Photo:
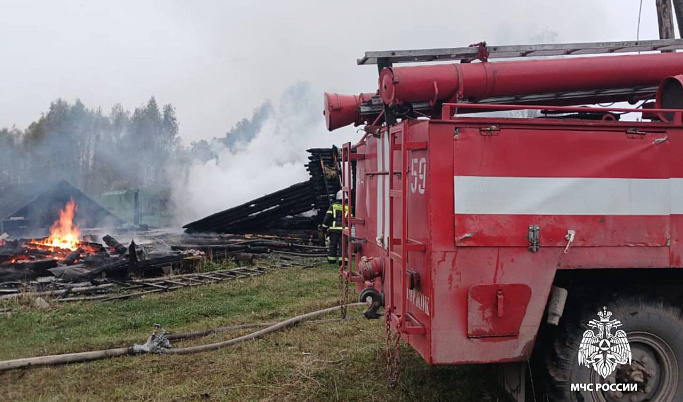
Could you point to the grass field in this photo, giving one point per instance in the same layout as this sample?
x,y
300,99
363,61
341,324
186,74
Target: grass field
x,y
330,361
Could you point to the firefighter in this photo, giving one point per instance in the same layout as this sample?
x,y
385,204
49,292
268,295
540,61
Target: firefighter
x,y
332,224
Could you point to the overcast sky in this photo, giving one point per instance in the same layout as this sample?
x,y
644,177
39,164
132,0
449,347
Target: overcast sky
x,y
216,61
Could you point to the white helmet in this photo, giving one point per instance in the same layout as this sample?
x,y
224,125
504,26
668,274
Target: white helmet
x,y
339,195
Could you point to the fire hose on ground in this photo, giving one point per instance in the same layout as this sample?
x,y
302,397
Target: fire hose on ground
x,y
159,343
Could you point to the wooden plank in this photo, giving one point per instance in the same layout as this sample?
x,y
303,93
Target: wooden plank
x,y
180,283
154,285
209,277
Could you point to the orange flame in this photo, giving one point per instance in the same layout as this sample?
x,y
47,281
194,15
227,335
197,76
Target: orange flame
x,y
63,233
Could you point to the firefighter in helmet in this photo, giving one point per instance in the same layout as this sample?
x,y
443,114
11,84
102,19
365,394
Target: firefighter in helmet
x,y
333,225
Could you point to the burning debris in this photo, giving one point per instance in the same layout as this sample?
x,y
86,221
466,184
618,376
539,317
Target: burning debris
x,y
29,209
66,256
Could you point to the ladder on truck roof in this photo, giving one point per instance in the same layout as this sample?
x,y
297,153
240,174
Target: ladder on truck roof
x,y
480,51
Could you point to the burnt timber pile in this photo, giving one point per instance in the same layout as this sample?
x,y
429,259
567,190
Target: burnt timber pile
x,y
283,209
26,259
94,271
279,225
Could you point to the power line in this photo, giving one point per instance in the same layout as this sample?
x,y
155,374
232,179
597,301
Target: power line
x,y
640,12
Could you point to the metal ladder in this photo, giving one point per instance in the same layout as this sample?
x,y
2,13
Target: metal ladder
x,y
399,247
348,270
480,51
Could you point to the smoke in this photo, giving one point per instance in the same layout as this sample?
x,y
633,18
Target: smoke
x,y
140,150
246,129
258,156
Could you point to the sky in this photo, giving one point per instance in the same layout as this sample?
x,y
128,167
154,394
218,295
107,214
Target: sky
x,y
216,61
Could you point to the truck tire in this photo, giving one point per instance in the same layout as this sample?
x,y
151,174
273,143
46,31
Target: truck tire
x,y
654,330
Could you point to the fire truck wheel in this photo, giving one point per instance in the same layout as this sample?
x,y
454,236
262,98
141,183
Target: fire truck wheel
x,y
654,332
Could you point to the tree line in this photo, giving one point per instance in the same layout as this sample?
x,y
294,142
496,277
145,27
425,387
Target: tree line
x,y
121,150
94,151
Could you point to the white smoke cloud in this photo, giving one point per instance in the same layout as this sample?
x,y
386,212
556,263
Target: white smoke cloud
x,y
273,159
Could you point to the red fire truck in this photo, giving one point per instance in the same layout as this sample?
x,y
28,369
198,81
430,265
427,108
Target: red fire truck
x,y
526,212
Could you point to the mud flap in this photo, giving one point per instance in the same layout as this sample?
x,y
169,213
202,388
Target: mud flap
x,y
512,377
496,309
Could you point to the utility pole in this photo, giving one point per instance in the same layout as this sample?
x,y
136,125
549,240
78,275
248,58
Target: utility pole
x,y
678,10
665,19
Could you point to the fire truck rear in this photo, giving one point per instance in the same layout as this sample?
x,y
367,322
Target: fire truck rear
x,y
499,219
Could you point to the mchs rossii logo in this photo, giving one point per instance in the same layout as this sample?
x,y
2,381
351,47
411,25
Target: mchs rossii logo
x,y
603,352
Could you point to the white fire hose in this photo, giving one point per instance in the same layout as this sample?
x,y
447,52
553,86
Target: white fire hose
x,y
158,343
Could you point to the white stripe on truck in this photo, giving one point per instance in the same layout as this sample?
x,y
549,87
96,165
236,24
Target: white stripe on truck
x,y
567,196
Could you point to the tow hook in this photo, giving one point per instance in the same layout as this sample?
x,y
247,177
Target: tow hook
x,y
374,299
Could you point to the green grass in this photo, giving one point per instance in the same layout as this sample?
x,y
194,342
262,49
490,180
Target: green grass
x,y
315,362
208,265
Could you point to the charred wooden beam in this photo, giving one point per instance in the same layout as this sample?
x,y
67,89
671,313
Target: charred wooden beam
x,y
117,268
269,207
154,267
11,275
39,267
73,256
114,244
133,260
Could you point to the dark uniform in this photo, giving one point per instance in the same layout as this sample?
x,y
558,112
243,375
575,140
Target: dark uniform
x,y
333,224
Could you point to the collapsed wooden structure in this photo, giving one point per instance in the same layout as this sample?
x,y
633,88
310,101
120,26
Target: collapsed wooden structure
x,y
29,209
26,259
300,206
